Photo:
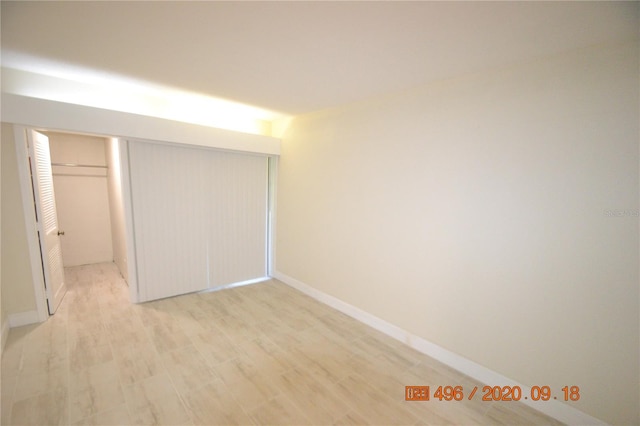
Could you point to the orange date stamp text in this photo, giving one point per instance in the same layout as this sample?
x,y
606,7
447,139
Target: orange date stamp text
x,y
490,393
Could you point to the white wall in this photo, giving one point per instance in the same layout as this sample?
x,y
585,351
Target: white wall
x,y
17,281
476,213
61,116
110,93
114,184
4,318
82,198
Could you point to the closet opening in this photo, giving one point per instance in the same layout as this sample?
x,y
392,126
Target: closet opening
x,y
77,193
88,195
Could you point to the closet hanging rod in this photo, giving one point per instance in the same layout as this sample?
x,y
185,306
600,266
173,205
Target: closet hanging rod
x,y
78,165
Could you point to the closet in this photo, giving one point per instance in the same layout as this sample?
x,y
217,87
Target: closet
x,y
199,217
80,179
188,218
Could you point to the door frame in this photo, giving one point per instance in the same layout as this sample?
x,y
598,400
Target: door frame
x,y
31,225
129,225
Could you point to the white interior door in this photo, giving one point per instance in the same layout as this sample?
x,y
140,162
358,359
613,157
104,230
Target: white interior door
x,y
48,233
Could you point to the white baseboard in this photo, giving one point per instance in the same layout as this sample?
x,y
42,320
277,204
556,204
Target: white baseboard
x,y
23,318
4,333
557,410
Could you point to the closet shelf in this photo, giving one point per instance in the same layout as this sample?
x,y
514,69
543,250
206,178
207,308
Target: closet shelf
x,y
78,165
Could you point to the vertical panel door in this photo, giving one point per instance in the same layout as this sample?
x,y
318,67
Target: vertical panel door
x,y
169,216
48,232
199,218
238,192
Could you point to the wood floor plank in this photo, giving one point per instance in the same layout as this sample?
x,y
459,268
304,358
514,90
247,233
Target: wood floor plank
x,y
259,354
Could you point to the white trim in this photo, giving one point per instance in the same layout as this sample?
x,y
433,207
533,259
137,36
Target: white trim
x,y
127,205
23,318
557,410
60,116
4,333
272,214
26,190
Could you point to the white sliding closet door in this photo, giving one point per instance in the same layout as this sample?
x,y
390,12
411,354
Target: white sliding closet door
x,y
199,218
238,235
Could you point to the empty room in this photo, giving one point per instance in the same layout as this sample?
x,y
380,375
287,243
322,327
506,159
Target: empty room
x,y
320,213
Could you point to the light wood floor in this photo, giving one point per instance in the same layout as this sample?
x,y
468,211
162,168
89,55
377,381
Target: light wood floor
x,y
260,354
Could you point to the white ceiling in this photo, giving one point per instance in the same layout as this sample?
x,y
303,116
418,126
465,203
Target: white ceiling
x,y
297,57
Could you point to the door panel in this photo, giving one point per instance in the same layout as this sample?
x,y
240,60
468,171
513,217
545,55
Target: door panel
x,y
238,229
47,219
199,218
169,210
